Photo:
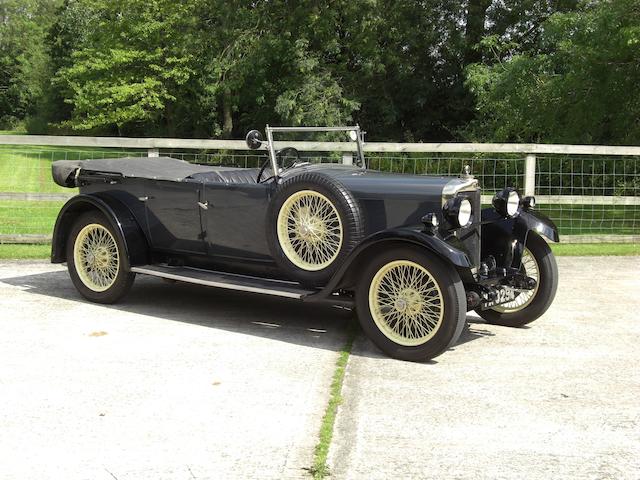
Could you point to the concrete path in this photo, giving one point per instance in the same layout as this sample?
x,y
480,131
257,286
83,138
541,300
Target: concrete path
x,y
183,382
177,382
557,400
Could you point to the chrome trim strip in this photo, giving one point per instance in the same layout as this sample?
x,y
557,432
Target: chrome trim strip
x,y
217,284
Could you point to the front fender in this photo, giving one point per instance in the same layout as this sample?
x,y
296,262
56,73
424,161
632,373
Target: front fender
x,y
539,223
353,264
120,217
505,238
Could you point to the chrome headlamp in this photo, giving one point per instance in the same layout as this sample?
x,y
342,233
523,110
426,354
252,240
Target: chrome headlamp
x,y
458,211
507,202
431,223
529,203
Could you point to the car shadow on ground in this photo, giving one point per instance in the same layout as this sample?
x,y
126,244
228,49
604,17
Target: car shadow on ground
x,y
279,319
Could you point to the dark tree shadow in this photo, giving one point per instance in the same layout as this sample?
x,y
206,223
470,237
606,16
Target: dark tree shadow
x,y
276,318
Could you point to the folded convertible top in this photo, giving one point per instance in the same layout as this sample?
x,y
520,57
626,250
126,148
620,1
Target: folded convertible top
x,y
156,168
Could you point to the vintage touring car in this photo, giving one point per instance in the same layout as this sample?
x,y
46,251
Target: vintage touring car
x,y
411,254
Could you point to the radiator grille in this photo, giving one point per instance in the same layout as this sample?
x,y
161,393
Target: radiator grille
x,y
469,237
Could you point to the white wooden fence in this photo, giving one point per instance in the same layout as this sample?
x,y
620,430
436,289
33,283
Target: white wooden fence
x,y
528,154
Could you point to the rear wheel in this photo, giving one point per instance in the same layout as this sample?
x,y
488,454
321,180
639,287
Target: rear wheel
x,y
411,305
538,263
96,261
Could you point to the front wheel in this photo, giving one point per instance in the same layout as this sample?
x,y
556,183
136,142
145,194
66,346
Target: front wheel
x,y
538,263
410,304
96,261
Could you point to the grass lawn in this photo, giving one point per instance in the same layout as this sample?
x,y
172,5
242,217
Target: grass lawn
x,y
23,252
595,249
28,217
594,219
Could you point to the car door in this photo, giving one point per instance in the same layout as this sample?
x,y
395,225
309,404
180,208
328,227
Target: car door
x,y
235,220
173,216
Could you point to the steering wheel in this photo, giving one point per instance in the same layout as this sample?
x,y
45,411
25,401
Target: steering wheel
x,y
263,167
288,153
282,155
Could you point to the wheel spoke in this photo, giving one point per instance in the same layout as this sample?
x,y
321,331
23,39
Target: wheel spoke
x,y
96,257
309,230
529,267
406,302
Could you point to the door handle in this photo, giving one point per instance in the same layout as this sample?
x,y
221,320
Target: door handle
x,y
204,206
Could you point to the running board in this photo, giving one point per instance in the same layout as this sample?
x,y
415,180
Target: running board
x,y
230,281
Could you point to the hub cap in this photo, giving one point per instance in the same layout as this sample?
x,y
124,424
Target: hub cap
x,y
95,255
309,230
524,298
406,303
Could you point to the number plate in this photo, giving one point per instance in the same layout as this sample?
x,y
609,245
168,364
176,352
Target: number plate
x,y
505,295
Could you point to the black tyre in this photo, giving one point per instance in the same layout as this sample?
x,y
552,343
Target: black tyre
x,y
96,260
411,304
537,262
313,224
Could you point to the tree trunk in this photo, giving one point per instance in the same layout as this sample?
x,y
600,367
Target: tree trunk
x,y
227,118
476,15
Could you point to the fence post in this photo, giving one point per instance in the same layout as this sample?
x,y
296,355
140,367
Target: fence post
x,y
347,159
530,175
153,152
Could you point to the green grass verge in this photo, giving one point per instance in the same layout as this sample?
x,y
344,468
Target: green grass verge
x,y
24,252
320,469
594,249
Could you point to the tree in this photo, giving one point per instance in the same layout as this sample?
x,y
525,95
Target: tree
x,y
130,68
579,85
23,58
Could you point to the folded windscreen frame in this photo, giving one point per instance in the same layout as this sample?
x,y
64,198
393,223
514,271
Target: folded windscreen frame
x,y
350,138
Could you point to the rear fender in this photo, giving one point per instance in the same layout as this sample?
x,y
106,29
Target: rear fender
x,y
347,274
120,217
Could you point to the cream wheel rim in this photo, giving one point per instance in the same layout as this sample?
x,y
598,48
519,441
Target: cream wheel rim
x,y
525,297
406,303
96,257
309,230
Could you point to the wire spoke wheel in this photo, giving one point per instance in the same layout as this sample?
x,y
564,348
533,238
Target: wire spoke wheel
x,y
309,230
406,303
530,268
96,257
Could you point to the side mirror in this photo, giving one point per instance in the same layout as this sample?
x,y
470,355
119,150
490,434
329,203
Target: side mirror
x,y
254,139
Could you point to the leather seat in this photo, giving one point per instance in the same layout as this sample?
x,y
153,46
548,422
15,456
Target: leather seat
x,y
241,175
228,175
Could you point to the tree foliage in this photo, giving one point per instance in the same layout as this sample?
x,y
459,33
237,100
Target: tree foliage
x,y
407,70
578,85
23,56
